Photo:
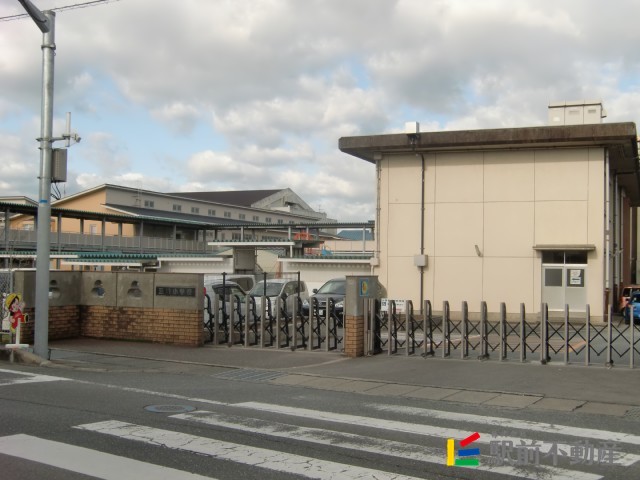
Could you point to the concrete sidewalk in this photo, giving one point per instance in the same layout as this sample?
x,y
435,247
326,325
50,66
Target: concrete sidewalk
x,y
594,389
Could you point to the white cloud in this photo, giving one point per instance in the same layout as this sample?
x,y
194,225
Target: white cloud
x,y
213,94
182,118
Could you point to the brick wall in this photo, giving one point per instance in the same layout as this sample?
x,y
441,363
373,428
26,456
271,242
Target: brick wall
x,y
64,322
26,329
354,336
178,327
75,310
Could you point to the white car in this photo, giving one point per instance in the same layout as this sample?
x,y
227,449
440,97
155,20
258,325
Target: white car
x,y
228,295
245,281
275,288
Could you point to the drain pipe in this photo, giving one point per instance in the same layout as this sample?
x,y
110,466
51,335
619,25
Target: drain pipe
x,y
377,222
607,231
422,208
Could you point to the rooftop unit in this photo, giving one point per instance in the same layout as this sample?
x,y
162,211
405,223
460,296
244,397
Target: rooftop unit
x,y
579,112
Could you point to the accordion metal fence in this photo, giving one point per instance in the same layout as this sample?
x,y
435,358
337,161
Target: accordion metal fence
x,y
278,325
566,338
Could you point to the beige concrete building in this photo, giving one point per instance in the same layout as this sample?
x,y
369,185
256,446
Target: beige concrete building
x,y
520,215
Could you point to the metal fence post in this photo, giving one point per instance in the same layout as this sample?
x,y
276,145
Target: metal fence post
x,y
216,318
367,319
566,334
632,340
232,321
465,339
391,323
587,356
543,334
426,316
327,316
294,320
610,315
278,320
263,323
523,343
311,330
408,308
503,331
247,313
445,329
484,337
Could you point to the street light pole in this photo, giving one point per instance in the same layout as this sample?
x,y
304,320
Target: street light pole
x,y
46,23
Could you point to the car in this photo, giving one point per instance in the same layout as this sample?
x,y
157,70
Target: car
x,y
336,289
633,305
229,294
624,296
244,280
275,288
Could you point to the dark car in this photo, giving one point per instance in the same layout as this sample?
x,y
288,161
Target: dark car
x,y
633,305
335,289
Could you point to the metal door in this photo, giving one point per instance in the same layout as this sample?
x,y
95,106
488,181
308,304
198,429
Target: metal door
x,y
564,285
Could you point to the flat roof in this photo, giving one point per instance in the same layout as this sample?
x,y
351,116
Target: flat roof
x,y
619,138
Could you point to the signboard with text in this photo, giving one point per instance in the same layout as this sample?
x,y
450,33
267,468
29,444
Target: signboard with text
x,y
401,305
176,291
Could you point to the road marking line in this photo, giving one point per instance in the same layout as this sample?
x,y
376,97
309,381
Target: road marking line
x,y
625,459
152,392
29,378
373,445
88,462
509,423
253,456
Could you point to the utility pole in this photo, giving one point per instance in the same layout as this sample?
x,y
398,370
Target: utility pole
x,y
45,21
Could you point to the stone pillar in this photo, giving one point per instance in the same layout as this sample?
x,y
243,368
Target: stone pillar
x,y
359,289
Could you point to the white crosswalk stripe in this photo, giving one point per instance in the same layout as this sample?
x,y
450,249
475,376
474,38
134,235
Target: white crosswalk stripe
x,y
254,456
505,423
369,444
354,439
445,432
86,461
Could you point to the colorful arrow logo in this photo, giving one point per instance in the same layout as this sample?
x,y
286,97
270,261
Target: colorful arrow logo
x,y
463,455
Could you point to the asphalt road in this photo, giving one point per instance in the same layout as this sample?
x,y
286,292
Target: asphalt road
x,y
151,419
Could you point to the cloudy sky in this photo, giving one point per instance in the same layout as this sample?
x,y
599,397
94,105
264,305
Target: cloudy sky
x,y
197,95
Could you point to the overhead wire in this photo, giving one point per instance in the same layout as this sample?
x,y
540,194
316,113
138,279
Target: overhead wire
x,y
91,3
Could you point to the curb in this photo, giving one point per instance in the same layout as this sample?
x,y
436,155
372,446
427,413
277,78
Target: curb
x,y
23,357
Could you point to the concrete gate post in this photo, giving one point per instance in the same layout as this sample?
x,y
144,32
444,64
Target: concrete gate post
x,y
359,290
